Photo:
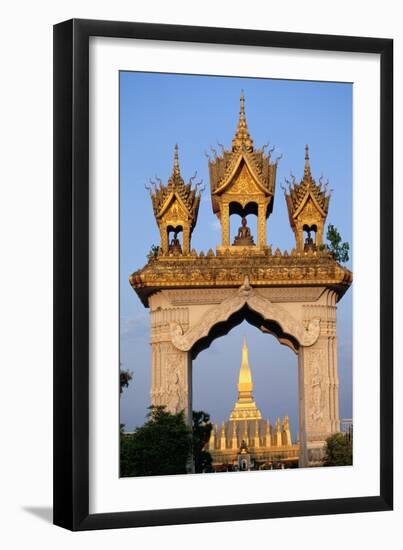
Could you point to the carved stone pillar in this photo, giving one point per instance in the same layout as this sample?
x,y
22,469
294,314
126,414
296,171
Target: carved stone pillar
x,y
261,225
225,227
171,373
171,380
318,398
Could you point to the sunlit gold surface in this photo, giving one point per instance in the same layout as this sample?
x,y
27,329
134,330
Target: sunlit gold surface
x,y
175,206
307,204
228,268
246,429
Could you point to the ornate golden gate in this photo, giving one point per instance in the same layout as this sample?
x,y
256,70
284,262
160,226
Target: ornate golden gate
x,y
196,297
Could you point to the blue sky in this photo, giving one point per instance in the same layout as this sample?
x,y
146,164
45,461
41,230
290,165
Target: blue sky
x,y
159,110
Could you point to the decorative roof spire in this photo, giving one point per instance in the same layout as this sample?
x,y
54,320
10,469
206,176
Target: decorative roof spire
x,y
176,169
242,136
242,108
307,169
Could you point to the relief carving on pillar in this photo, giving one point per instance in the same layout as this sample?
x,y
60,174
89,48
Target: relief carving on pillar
x,y
315,387
175,393
316,410
245,295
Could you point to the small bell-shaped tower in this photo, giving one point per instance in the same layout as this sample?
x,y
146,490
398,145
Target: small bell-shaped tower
x,y
308,204
175,206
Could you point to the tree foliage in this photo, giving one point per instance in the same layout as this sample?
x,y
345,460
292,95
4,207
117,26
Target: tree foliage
x,y
339,450
339,250
201,434
125,377
153,252
162,446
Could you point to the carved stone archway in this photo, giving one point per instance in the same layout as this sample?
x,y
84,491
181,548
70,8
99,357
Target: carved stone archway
x,y
290,329
304,319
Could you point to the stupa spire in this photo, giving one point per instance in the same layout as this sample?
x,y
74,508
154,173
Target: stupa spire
x,y
245,384
245,407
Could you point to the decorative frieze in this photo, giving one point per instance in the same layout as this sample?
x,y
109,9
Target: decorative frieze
x,y
246,295
229,272
200,296
161,317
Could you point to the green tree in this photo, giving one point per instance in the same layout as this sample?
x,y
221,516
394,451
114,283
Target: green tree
x,y
201,434
339,450
339,250
125,377
162,446
153,252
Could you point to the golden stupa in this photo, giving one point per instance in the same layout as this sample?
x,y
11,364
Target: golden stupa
x,y
247,431
245,408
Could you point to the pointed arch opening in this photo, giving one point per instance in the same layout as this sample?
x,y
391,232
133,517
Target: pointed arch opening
x,y
254,415
175,239
310,235
252,317
243,223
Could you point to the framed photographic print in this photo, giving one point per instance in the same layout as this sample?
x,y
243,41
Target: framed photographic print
x,y
223,297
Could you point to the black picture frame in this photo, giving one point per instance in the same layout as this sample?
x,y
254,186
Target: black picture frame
x,y
71,273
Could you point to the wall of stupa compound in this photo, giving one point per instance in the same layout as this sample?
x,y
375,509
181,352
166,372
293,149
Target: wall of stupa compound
x,y
183,321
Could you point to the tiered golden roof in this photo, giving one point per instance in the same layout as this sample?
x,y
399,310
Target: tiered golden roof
x,y
188,195
308,204
223,167
176,206
242,179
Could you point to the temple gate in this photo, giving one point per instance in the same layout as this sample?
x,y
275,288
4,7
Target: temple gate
x,y
196,297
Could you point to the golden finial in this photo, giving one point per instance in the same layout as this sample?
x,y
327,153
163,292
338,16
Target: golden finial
x,y
307,169
242,136
176,170
242,106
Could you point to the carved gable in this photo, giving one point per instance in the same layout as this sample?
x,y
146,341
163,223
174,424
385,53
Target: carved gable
x,y
243,183
309,213
175,213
